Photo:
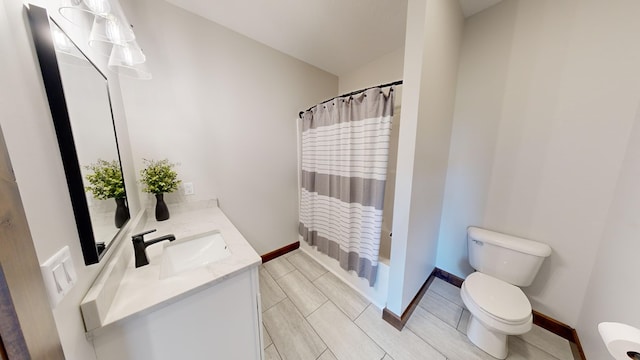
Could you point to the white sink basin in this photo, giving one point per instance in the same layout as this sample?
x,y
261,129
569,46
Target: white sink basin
x,y
192,252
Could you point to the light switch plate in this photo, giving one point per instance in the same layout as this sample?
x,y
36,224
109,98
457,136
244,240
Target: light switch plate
x,y
59,275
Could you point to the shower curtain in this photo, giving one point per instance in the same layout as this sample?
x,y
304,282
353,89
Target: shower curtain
x,y
344,152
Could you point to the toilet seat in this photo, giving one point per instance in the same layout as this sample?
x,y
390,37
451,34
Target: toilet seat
x,y
497,304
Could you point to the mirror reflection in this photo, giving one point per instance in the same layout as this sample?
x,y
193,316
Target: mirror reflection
x,y
89,107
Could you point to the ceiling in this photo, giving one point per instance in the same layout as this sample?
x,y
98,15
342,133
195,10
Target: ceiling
x,y
334,35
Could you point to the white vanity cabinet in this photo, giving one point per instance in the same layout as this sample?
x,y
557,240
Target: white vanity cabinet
x,y
218,321
210,310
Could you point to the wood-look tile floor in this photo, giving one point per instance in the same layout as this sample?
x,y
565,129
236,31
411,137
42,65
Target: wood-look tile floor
x,y
309,313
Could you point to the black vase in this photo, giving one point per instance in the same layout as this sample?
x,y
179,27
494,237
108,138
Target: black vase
x,y
122,212
162,211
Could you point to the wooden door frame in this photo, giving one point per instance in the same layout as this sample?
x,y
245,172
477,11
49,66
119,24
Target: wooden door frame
x,y
3,352
12,339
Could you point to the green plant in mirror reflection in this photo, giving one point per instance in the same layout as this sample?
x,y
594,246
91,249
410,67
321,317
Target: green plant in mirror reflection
x,y
159,177
106,180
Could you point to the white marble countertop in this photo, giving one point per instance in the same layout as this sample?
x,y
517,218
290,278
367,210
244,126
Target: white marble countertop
x,y
141,290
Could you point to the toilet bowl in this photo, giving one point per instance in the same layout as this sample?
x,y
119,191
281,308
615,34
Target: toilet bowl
x,y
492,295
498,309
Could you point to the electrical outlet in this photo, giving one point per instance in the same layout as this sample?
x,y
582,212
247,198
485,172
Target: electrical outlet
x,y
187,188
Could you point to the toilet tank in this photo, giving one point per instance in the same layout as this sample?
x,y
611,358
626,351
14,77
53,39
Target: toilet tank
x,y
509,258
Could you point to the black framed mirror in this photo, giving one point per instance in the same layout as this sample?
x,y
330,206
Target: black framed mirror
x,y
80,105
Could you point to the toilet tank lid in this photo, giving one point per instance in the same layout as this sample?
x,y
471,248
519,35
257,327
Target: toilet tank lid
x,y
510,242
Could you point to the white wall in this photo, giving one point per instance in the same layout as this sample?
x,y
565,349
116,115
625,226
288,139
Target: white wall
x,y
613,294
483,56
31,141
434,32
545,103
385,69
224,106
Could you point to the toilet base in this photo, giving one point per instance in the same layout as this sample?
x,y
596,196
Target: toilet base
x,y
494,344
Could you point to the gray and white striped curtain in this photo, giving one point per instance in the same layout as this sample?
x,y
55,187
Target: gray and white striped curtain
x,y
344,149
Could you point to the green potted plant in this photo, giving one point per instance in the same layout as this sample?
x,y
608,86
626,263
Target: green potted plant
x,y
105,182
158,177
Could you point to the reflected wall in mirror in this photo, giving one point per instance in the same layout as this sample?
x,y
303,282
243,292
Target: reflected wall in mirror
x,y
80,105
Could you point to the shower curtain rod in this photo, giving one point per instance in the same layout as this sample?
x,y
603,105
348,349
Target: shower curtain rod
x,y
399,82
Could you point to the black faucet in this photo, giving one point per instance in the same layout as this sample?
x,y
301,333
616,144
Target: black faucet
x,y
140,246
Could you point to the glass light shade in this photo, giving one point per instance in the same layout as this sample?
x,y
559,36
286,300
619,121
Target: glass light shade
x,y
110,29
118,31
129,60
75,11
128,54
98,7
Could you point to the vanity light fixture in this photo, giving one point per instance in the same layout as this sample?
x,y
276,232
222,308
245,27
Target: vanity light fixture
x,y
118,31
106,25
74,11
110,29
98,7
110,34
80,12
128,54
129,60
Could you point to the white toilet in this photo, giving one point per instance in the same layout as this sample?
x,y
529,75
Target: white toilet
x,y
498,307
